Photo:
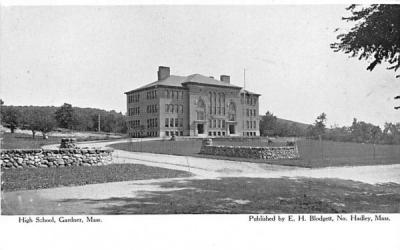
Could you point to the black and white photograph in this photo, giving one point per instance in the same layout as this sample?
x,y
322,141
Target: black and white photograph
x,y
185,110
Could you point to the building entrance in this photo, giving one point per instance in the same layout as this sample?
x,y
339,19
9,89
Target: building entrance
x,y
200,129
231,129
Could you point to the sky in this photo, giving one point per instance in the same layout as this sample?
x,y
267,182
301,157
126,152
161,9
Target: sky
x,y
89,56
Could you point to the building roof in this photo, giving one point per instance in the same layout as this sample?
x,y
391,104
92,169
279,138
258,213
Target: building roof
x,y
180,81
248,92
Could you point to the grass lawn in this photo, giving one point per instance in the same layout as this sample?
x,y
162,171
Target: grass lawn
x,y
313,153
256,195
21,179
24,141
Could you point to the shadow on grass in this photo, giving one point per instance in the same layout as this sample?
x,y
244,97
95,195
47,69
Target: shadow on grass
x,y
256,195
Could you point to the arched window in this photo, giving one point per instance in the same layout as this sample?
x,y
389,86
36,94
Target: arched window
x,y
211,102
200,110
200,103
223,103
219,103
215,103
232,111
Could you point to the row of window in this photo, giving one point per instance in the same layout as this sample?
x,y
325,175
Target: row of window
x,y
133,111
216,123
251,124
217,103
135,134
152,133
216,133
249,133
173,122
176,133
152,108
133,98
138,134
250,100
174,94
152,94
134,124
171,108
251,112
152,123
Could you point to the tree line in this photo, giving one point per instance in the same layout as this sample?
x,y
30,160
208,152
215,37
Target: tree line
x,y
358,131
45,119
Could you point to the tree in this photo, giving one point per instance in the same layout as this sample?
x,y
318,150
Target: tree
x,y
375,35
268,124
40,120
320,124
65,116
10,118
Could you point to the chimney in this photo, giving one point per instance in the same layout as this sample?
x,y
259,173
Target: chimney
x,y
163,72
225,78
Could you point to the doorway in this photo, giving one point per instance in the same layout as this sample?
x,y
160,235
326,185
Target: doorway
x,y
200,129
231,129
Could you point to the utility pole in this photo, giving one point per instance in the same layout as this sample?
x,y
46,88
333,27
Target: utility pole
x,y
244,78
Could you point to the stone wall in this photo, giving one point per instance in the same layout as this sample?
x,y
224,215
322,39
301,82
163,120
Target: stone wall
x,y
288,152
56,158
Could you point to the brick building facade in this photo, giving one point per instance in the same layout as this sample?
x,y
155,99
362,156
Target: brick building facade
x,y
194,105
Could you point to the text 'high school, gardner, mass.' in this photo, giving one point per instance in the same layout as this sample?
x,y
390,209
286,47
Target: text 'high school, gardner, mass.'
x,y
193,105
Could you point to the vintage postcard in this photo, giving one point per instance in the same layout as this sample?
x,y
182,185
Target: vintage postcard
x,y
271,119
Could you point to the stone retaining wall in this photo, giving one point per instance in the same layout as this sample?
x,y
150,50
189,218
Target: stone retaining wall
x,y
56,158
289,152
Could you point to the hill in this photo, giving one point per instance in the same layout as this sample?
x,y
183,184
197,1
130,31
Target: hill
x,y
291,123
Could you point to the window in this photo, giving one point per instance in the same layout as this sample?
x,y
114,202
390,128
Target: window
x,y
215,133
248,125
177,108
166,122
166,108
168,94
167,133
172,94
200,115
223,133
215,103
254,124
171,108
211,104
181,122
247,112
219,133
171,122
181,133
219,123
223,123
176,122
176,133
209,133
